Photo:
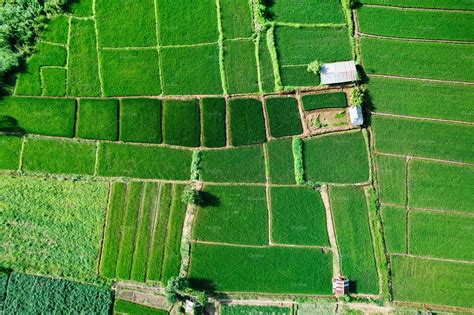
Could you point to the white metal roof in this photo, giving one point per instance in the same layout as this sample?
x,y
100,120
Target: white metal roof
x,y
355,114
338,72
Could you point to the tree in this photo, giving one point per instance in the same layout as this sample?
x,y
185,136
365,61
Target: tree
x,y
191,196
314,67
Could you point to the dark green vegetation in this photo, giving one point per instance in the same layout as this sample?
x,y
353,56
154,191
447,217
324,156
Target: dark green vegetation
x,y
236,19
418,59
213,112
97,119
267,78
298,216
394,227
27,294
326,100
303,11
140,120
227,220
420,280
435,4
181,123
126,307
143,232
441,235
395,22
64,217
59,156
280,162
130,72
424,138
54,81
136,161
246,121
283,117
56,30
10,152
293,76
354,238
326,158
453,192
240,165
250,309
422,99
50,117
240,269
391,175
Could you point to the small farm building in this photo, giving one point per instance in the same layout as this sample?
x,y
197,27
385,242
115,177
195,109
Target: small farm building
x,y
355,114
340,286
190,306
338,72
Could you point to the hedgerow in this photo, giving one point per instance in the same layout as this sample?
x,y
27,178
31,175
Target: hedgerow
x,y
297,146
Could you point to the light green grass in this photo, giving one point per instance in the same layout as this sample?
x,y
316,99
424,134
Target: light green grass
x,y
280,162
391,179
283,116
325,100
240,66
140,120
10,148
236,18
247,125
97,119
225,218
53,81
213,112
307,11
298,216
394,228
181,123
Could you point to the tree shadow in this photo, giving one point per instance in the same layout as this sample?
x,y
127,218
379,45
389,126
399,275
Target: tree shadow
x,y
268,14
8,79
202,284
208,200
352,286
10,125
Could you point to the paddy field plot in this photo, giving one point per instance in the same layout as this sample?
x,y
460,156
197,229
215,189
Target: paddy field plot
x,y
126,307
56,30
97,119
283,116
240,66
325,100
391,177
236,19
213,113
140,120
181,123
429,4
246,121
394,220
10,153
303,12
53,81
280,162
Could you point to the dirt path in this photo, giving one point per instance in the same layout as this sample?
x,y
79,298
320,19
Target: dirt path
x,y
331,233
428,40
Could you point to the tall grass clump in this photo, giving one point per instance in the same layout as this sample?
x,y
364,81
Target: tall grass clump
x,y
297,146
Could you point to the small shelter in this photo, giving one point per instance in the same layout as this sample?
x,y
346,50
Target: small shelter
x,y
356,116
338,72
340,286
190,306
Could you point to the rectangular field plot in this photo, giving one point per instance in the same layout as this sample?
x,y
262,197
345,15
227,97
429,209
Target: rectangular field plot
x,y
394,22
240,66
213,112
59,156
391,175
247,125
424,138
181,123
432,282
124,23
326,100
53,81
50,117
241,269
138,161
441,186
56,30
197,22
250,309
432,4
130,72
10,152
394,221
280,162
296,76
97,119
236,18
242,165
326,160
298,216
307,11
82,8
29,80
64,217
283,117
224,218
83,77
126,307
191,70
417,59
422,99
353,238
140,120
441,235
267,78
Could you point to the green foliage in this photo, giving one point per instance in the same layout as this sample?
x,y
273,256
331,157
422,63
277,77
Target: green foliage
x,y
28,294
247,125
314,67
126,307
283,116
298,216
280,162
191,196
240,66
10,152
56,30
224,217
196,165
181,123
64,217
297,146
249,269
357,96
213,122
236,19
97,119
140,120
270,36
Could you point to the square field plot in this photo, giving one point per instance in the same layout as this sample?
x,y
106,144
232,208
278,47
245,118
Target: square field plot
x,y
56,30
213,112
10,153
283,116
191,70
130,72
187,22
240,66
246,121
325,100
181,123
245,269
307,11
280,162
298,216
140,120
54,81
124,23
224,218
97,119
339,158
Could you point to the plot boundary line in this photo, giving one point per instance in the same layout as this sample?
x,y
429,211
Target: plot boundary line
x,y
151,235
331,232
211,243
419,40
97,48
449,121
158,50
21,155
406,207
268,199
466,262
415,8
421,158
390,76
104,227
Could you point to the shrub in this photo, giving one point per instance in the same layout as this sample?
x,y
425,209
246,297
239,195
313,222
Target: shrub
x,y
314,67
357,96
196,165
298,158
191,196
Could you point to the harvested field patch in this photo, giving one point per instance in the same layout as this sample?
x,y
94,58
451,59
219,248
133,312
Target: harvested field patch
x,y
10,152
283,117
236,19
432,4
140,120
240,66
225,219
326,100
97,119
391,173
213,122
53,81
181,123
394,228
298,216
307,11
280,162
246,121
240,269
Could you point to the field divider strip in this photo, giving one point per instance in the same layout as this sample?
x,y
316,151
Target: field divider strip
x,y
265,119
96,162
407,202
158,49
97,47
390,76
419,40
311,25
22,153
336,260
467,262
268,198
52,43
68,53
138,224
416,9
156,216
257,59
258,246
104,227
420,158
129,48
424,118
443,211
189,45
220,45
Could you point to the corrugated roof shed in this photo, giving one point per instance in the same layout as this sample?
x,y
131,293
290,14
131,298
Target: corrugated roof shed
x,y
338,72
356,116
